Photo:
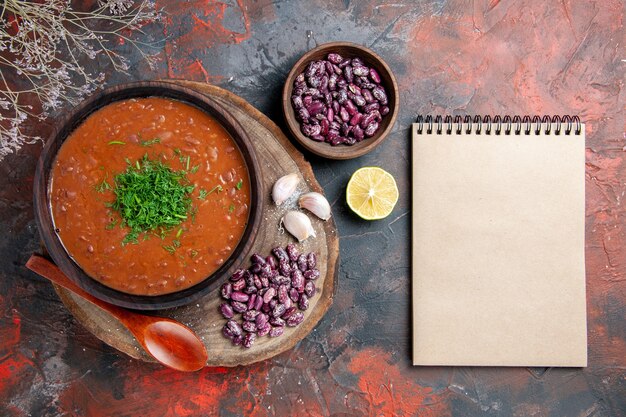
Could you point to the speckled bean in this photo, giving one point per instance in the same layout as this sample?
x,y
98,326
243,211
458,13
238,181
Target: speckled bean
x,y
263,330
248,340
295,319
226,310
277,331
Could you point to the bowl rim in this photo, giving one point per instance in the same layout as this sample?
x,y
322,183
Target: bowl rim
x,y
322,148
42,208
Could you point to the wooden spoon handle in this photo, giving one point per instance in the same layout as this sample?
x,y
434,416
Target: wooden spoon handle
x,y
42,266
175,346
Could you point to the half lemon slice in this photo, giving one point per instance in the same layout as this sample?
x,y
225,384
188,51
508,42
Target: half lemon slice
x,y
372,193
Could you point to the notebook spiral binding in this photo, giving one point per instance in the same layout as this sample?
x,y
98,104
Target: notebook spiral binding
x,y
498,124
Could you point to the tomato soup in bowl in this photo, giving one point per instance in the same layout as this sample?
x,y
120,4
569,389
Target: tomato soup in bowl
x,y
148,196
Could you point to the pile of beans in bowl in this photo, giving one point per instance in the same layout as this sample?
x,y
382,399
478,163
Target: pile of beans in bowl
x,y
339,101
269,295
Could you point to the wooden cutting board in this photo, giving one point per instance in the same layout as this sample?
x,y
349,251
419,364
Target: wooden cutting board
x,y
277,157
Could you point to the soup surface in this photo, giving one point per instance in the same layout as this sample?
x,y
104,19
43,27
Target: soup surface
x,y
119,137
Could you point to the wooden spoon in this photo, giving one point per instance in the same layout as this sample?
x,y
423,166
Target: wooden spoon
x,y
170,342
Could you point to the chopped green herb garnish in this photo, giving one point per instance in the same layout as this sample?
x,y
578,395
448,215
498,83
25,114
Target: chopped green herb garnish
x,y
231,208
116,142
195,169
204,193
160,233
187,166
111,225
182,158
193,253
151,197
239,184
104,185
180,231
131,237
172,248
150,142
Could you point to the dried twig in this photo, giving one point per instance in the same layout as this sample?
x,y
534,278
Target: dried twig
x,y
43,48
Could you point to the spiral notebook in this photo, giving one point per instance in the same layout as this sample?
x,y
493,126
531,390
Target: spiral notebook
x,y
498,274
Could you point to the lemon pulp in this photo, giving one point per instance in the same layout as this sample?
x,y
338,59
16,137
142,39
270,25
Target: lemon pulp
x,y
372,193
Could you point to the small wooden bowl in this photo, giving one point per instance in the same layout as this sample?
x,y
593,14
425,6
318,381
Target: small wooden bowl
x,y
388,81
43,215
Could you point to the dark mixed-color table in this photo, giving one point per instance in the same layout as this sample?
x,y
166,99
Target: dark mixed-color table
x,y
450,57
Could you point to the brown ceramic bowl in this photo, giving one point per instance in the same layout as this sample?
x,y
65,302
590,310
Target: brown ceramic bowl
x,y
388,81
43,215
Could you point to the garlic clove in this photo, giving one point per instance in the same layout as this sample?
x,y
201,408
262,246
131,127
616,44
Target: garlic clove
x,y
316,204
284,188
298,224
